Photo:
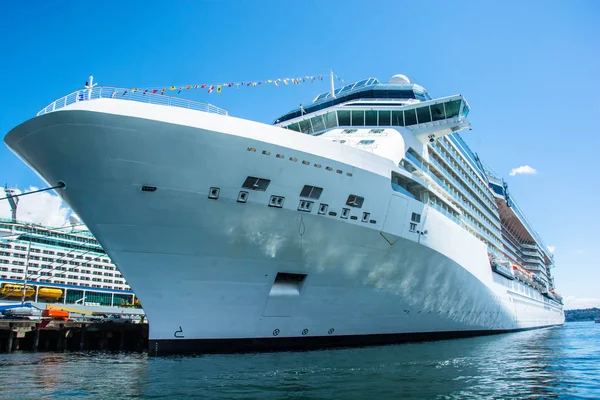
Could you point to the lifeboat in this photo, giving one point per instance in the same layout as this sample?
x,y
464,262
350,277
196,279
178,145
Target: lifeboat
x,y
55,314
558,296
522,274
16,290
50,293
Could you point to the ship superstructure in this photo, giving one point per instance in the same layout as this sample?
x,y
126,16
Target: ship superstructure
x,y
361,218
58,265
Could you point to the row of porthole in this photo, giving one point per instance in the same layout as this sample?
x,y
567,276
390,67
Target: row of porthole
x,y
303,205
294,159
276,332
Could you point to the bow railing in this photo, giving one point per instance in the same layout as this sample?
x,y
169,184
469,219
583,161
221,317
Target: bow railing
x,y
143,96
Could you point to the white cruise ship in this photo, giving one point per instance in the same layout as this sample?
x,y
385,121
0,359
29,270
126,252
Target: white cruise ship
x,y
64,266
362,218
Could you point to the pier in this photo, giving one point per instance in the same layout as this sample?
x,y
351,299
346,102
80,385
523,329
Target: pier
x,y
44,335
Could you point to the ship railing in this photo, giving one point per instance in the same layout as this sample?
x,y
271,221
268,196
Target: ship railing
x,y
142,96
424,169
446,213
467,182
465,193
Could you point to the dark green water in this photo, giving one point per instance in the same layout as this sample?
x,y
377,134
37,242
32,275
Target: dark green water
x,y
550,363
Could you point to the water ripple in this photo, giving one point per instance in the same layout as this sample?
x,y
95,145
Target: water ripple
x,y
561,363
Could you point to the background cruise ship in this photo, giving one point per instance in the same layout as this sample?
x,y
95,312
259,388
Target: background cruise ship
x,y
62,265
362,218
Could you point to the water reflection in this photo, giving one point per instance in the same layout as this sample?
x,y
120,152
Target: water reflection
x,y
549,363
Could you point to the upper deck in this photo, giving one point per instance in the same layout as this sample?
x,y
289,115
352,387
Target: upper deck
x,y
369,88
142,96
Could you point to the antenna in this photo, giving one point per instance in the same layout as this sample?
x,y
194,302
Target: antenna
x,y
89,85
12,200
332,83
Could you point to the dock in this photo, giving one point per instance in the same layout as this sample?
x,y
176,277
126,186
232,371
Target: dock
x,y
54,335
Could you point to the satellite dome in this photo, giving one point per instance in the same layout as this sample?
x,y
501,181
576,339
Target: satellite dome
x,y
399,79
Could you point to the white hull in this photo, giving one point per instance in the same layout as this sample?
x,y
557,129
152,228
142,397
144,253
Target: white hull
x,y
204,269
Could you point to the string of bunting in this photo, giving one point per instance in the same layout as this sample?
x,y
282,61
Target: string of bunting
x,y
218,87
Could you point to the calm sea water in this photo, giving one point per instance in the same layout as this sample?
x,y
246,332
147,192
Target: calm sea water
x,y
550,363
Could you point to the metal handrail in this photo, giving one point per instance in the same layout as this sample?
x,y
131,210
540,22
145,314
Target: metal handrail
x,y
143,96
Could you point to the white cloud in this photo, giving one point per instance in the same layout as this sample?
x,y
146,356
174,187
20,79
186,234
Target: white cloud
x,y
574,303
523,170
552,249
44,208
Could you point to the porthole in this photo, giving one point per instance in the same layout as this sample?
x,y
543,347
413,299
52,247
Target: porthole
x,y
339,171
294,159
252,149
213,193
305,162
266,153
242,197
348,173
329,168
148,188
317,165
323,209
280,156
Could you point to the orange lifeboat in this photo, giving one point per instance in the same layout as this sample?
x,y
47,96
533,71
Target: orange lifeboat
x,y
56,314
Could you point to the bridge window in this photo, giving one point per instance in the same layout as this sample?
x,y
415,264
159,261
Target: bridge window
x,y
384,118
330,120
452,108
343,118
358,118
397,118
317,123
294,127
423,114
305,126
437,112
410,117
371,118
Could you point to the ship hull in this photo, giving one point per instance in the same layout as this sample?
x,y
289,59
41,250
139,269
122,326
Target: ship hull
x,y
206,270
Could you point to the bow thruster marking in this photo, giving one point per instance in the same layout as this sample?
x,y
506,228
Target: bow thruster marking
x,y
177,333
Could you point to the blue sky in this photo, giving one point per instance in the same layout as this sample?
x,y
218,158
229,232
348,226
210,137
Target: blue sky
x,y
528,69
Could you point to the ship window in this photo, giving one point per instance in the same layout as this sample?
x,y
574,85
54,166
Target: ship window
x,y
366,142
413,227
317,123
371,118
397,118
349,131
410,117
355,201
452,108
148,188
305,126
330,120
384,118
343,118
294,127
376,130
437,112
312,192
254,183
358,118
423,114
415,217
